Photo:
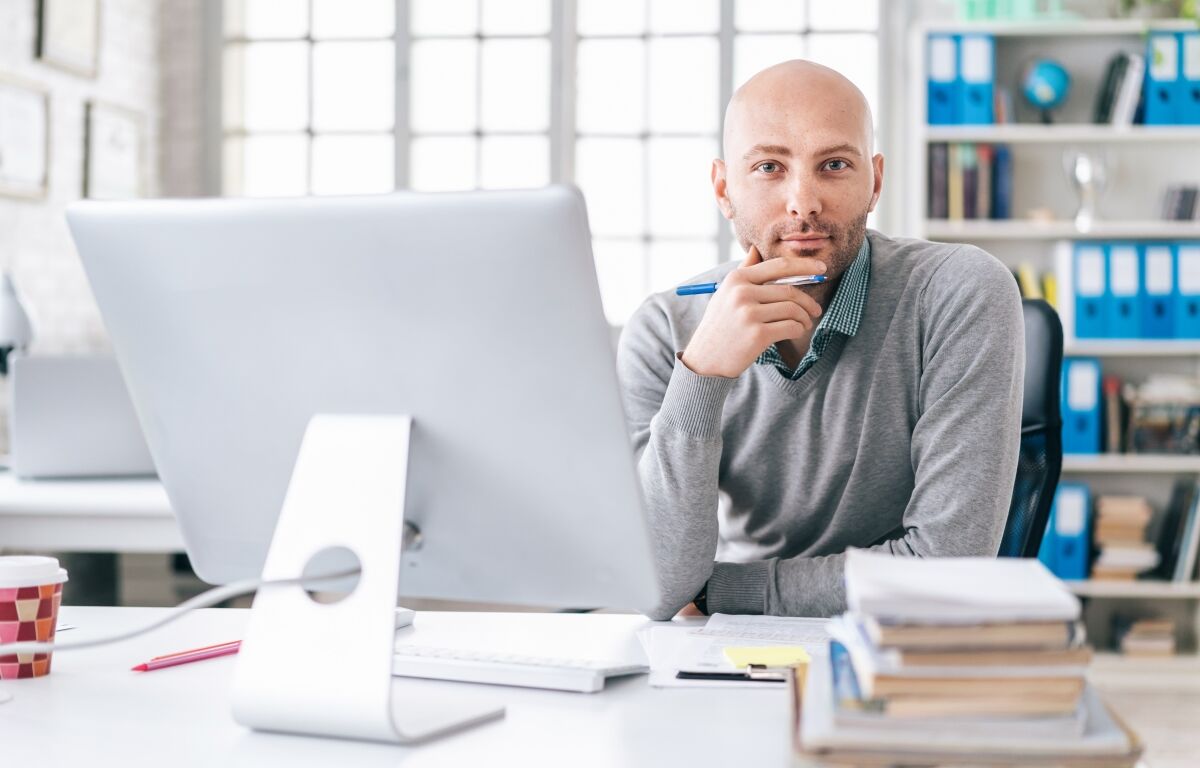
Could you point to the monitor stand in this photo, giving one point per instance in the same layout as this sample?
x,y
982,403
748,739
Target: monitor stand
x,y
325,669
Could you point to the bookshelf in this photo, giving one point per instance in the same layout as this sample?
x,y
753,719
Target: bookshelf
x,y
1054,231
1141,162
1152,590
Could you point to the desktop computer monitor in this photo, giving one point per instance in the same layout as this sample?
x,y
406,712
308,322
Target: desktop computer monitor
x,y
477,314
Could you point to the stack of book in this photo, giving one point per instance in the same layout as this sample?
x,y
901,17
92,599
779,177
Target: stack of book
x,y
970,181
957,660
1120,535
1147,637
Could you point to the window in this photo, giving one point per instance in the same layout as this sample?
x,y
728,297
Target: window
x,y
312,105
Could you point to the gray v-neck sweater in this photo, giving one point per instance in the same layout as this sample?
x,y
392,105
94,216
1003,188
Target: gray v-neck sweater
x,y
902,438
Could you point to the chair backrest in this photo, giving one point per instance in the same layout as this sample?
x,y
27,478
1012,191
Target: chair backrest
x,y
1040,459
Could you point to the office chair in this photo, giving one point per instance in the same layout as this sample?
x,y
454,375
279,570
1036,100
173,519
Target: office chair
x,y
1040,459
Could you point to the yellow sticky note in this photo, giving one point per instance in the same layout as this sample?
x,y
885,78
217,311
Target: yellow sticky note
x,y
767,655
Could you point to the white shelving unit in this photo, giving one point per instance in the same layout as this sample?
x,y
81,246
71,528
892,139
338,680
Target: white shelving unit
x,y
1130,463
1140,158
1150,590
1033,229
1074,133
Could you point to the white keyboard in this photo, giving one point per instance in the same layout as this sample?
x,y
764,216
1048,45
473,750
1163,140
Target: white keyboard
x,y
507,669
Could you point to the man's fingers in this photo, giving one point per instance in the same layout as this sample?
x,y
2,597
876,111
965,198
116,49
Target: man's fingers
x,y
783,310
752,257
783,329
769,294
784,266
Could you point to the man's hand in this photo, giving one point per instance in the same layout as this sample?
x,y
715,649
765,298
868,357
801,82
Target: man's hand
x,y
746,316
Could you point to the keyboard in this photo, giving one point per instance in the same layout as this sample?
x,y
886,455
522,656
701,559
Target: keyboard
x,y
560,674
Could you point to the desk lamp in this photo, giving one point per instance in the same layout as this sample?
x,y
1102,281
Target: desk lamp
x,y
15,330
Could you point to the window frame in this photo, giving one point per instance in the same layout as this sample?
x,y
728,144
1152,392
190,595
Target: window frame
x,y
562,133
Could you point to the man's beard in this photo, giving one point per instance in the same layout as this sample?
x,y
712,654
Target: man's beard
x,y
846,239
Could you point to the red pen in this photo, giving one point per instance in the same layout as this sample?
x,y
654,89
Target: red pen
x,y
186,657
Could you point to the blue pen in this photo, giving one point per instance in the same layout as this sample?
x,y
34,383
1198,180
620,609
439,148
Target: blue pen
x,y
699,288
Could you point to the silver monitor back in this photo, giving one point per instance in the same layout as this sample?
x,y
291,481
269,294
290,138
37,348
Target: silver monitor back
x,y
478,314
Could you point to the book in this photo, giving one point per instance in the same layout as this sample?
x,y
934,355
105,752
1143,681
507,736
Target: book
x,y
939,159
1050,288
969,159
1189,543
1027,280
954,183
983,185
962,591
963,688
1002,182
1106,97
1129,91
1172,528
1079,656
1015,635
983,699
1113,413
857,738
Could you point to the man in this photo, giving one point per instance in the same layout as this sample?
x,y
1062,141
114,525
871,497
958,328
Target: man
x,y
776,426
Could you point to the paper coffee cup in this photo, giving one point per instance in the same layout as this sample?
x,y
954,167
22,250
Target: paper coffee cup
x,y
30,592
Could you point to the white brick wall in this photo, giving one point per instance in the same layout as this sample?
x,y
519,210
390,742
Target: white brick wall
x,y
150,57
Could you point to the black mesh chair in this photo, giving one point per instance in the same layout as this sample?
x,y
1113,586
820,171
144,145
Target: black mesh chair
x,y
1041,433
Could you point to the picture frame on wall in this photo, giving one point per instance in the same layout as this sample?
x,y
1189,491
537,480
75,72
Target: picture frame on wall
x,y
114,139
24,139
68,35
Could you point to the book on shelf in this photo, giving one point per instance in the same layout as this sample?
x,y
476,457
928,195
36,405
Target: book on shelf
x,y
1171,528
1179,203
1120,91
1144,637
1189,543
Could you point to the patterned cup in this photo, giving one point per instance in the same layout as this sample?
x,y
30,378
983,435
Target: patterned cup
x,y
30,591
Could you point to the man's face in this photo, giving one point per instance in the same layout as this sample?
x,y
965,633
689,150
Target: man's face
x,y
797,177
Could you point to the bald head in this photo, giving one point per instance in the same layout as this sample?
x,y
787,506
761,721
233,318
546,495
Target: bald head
x,y
801,95
799,174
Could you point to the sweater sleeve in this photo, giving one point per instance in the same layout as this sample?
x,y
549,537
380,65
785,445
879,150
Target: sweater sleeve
x,y
964,444
674,416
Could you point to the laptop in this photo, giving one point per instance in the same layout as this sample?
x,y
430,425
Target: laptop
x,y
72,417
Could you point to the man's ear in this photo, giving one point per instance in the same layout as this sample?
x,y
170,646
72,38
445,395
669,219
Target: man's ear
x,y
718,182
877,163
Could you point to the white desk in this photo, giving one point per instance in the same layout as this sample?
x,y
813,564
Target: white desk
x,y
92,711
117,515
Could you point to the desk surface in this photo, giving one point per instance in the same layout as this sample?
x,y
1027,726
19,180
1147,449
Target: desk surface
x,y
92,711
87,515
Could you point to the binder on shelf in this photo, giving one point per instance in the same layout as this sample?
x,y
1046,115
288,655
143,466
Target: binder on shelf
x,y
1123,314
1187,287
1090,278
943,84
976,73
1189,77
1081,405
1158,291
1162,79
1066,544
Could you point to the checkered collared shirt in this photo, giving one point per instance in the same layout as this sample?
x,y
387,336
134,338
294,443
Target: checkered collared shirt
x,y
842,316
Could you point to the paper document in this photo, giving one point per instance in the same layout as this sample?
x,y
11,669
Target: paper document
x,y
686,646
778,629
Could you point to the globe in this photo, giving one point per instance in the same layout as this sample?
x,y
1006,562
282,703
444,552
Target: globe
x,y
1045,84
